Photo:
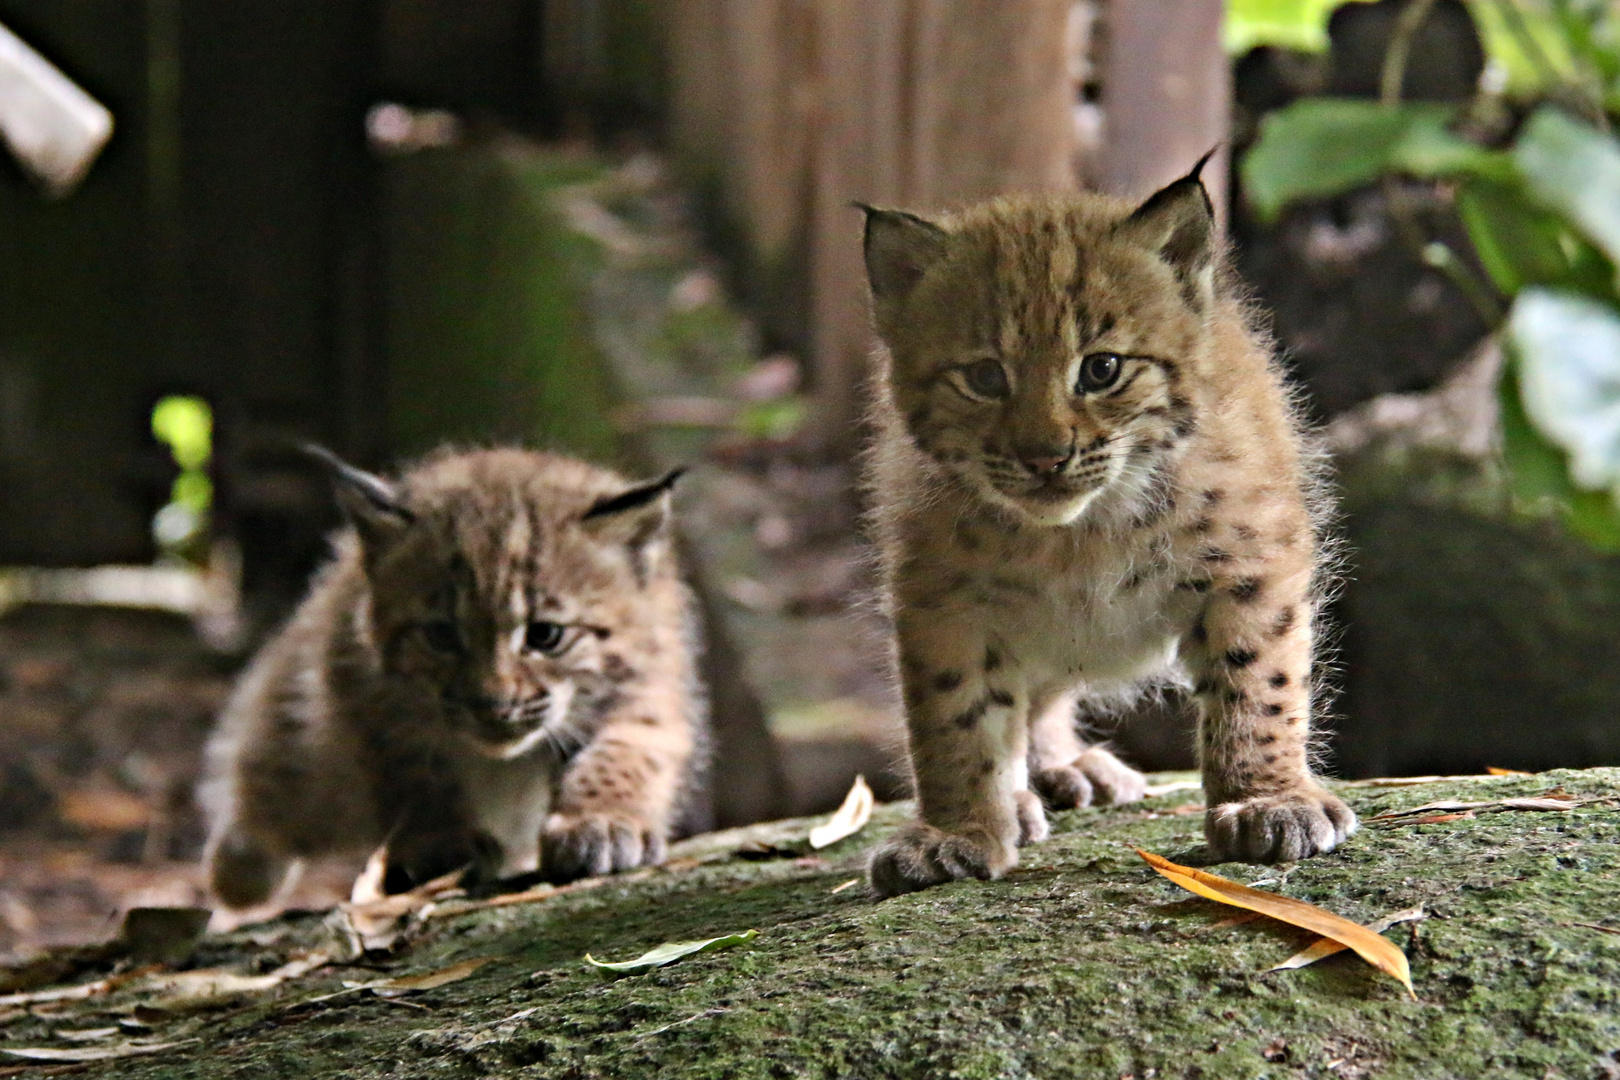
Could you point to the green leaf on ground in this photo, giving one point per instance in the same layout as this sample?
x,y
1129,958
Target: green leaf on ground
x,y
669,952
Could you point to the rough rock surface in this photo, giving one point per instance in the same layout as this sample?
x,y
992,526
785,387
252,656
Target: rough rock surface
x,y
1083,962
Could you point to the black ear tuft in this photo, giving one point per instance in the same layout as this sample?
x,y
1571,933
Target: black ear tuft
x,y
634,519
635,497
899,247
1178,222
370,502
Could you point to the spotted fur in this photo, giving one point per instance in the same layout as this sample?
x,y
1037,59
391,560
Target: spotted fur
x,y
496,668
1088,469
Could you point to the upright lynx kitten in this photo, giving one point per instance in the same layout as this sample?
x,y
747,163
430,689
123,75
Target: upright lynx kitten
x,y
495,669
1087,475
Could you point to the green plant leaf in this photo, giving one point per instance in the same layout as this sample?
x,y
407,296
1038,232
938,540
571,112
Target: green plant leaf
x,y
669,952
1525,68
1288,24
1319,147
1561,415
1516,240
1574,170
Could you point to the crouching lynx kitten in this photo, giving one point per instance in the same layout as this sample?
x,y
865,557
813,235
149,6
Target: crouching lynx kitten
x,y
497,668
1087,475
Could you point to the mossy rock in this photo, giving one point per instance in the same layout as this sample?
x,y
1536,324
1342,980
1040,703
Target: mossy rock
x,y
1081,963
1473,635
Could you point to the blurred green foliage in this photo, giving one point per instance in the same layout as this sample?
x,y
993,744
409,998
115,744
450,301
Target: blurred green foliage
x,y
1288,24
1542,211
186,426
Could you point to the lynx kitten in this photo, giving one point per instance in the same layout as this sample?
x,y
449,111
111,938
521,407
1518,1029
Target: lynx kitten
x,y
495,669
1087,476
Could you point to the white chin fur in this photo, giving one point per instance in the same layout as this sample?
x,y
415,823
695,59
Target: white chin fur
x,y
561,696
1051,514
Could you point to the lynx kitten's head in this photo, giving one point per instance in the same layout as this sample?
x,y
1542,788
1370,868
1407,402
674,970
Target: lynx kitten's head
x,y
1038,346
509,587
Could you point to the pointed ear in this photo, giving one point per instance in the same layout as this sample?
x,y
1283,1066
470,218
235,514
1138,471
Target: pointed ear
x,y
372,504
900,247
1178,222
633,518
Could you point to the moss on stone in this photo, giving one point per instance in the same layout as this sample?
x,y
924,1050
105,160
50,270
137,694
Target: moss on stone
x,y
1082,962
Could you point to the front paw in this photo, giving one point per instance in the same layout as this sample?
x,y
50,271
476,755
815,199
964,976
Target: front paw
x,y
920,855
1032,826
589,845
1096,776
1278,828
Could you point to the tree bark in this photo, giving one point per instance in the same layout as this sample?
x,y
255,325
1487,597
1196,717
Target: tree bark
x,y
1167,89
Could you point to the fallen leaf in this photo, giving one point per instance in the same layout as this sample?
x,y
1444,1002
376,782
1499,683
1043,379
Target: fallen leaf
x,y
88,1053
368,885
1492,770
850,884
1408,781
1153,791
669,952
60,993
1554,800
849,819
428,980
183,991
1369,946
378,919
532,895
680,866
1595,926
1543,803
1436,819
1325,947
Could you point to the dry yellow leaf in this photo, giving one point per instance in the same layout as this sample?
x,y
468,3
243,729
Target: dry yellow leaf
x,y
1371,947
428,980
1496,771
1322,948
848,819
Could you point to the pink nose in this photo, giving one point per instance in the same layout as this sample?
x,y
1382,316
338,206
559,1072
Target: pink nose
x,y
1041,464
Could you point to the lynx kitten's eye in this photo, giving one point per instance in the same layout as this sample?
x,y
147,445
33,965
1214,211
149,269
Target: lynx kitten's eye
x,y
1098,371
442,636
986,378
544,637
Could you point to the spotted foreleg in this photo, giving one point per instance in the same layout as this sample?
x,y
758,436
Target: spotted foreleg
x,y
617,800
968,739
1250,653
